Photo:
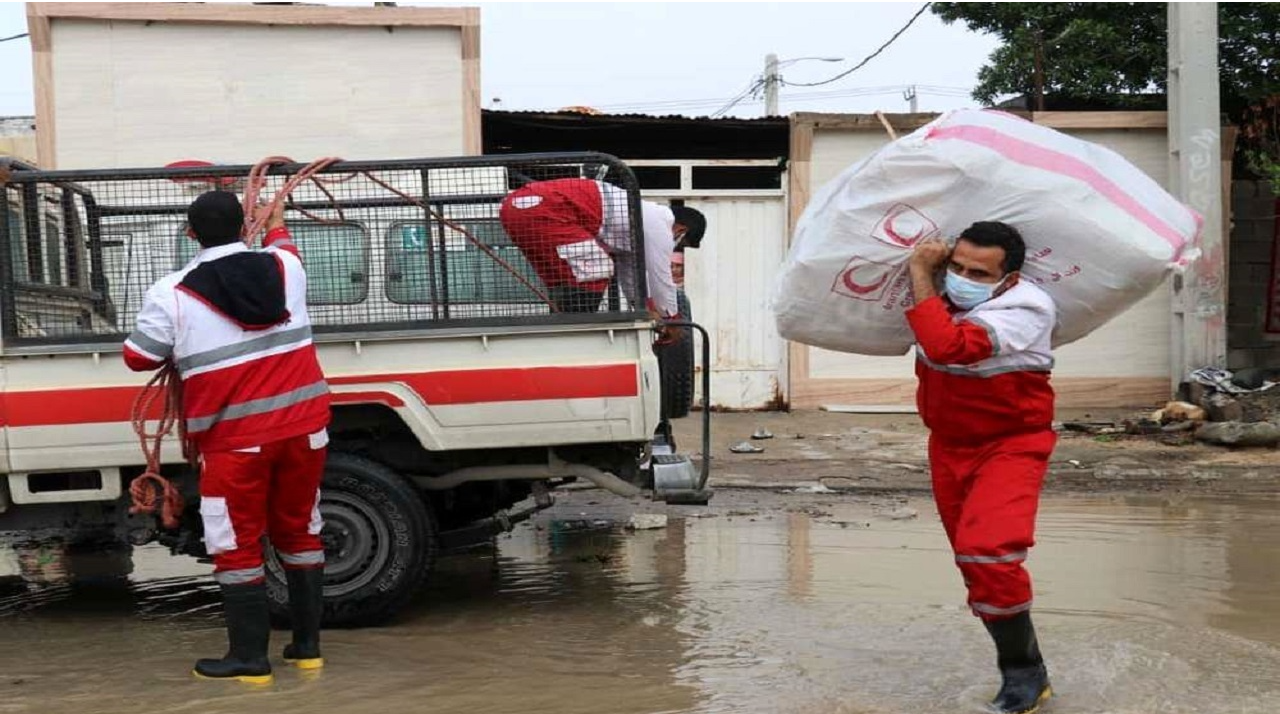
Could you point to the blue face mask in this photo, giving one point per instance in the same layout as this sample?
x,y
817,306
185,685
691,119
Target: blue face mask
x,y
967,294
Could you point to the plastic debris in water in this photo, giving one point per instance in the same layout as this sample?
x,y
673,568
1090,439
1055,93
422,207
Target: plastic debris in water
x,y
647,521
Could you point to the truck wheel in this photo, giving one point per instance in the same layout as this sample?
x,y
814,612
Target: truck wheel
x,y
675,365
380,543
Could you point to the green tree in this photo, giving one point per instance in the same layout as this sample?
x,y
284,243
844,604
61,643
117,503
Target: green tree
x,y
1111,54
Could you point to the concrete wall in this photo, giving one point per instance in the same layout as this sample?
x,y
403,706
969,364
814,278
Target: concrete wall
x,y
129,94
143,84
1253,209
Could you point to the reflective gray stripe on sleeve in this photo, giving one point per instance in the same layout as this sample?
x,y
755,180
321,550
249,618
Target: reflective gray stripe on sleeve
x,y
310,557
155,348
986,371
259,406
240,577
1007,558
248,347
986,609
991,333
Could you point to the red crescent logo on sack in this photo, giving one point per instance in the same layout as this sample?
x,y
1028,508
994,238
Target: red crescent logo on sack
x,y
847,278
863,279
904,226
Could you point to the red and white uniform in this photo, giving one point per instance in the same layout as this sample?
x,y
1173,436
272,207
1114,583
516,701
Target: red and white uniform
x,y
984,394
256,404
574,232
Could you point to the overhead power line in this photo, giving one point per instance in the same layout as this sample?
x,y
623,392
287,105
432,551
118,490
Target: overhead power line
x,y
14,37
869,57
749,91
675,106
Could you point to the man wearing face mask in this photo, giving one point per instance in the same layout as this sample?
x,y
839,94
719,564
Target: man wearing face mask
x,y
983,362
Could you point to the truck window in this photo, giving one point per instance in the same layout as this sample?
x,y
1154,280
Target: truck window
x,y
467,273
43,261
336,256
53,270
18,245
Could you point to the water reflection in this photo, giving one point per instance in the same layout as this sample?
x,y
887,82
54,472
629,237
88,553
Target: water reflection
x,y
764,604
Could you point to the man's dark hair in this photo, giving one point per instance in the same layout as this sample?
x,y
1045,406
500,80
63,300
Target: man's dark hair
x,y
994,234
216,218
694,222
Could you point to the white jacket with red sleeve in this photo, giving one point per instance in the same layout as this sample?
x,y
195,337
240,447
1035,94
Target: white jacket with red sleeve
x,y
234,322
985,374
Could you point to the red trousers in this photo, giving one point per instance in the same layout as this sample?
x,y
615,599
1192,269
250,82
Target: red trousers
x,y
987,497
273,489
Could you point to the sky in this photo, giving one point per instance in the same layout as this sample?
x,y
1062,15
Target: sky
x,y
678,57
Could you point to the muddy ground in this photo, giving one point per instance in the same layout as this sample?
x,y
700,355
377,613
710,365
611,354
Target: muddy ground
x,y
818,581
885,453
761,603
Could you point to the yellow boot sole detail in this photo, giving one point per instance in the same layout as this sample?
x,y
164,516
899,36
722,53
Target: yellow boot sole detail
x,y
1044,697
245,678
313,663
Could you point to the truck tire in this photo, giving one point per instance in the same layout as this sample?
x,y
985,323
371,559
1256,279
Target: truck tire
x,y
380,544
676,368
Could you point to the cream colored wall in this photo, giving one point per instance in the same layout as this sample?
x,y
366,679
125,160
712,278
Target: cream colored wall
x,y
131,94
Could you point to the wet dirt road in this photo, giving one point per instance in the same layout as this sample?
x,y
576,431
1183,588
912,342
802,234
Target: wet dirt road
x,y
770,603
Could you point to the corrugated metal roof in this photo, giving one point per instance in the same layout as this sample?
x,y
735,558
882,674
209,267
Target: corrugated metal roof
x,y
635,118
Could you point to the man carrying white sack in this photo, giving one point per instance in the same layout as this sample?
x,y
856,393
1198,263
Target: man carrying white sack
x,y
983,365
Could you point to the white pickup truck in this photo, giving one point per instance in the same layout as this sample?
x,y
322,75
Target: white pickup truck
x,y
458,392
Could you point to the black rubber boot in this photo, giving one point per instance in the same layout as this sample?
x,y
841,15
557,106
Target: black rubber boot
x,y
248,634
1025,685
306,594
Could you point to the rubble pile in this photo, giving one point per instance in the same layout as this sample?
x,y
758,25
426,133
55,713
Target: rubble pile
x,y
1216,407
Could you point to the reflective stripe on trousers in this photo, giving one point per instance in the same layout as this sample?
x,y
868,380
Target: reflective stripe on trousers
x,y
306,559
1017,557
244,576
982,608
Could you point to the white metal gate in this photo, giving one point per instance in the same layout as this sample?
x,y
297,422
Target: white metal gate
x,y
729,281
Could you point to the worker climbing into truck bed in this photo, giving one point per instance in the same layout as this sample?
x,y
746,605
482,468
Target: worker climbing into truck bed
x,y
576,233
983,363
234,322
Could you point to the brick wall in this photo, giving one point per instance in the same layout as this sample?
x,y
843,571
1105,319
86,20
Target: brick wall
x,y
1253,207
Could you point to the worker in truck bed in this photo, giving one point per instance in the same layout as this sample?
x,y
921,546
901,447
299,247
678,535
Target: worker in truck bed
x,y
576,233
983,359
256,406
695,226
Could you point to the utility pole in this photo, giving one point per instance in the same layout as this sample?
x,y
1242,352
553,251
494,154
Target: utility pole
x,y
771,82
912,96
1199,335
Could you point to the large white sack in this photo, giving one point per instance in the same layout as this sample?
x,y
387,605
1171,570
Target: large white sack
x,y
1100,233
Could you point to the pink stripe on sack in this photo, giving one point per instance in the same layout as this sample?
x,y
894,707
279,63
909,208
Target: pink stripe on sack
x,y
1029,154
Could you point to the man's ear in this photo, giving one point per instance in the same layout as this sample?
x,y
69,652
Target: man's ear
x,y
1009,281
192,234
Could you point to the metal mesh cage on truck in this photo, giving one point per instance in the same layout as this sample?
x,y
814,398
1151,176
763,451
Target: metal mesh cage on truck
x,y
415,244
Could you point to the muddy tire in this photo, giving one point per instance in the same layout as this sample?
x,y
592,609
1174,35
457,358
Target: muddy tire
x,y
380,544
675,365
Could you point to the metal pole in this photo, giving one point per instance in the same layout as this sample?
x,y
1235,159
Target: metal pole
x,y
771,81
1199,334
